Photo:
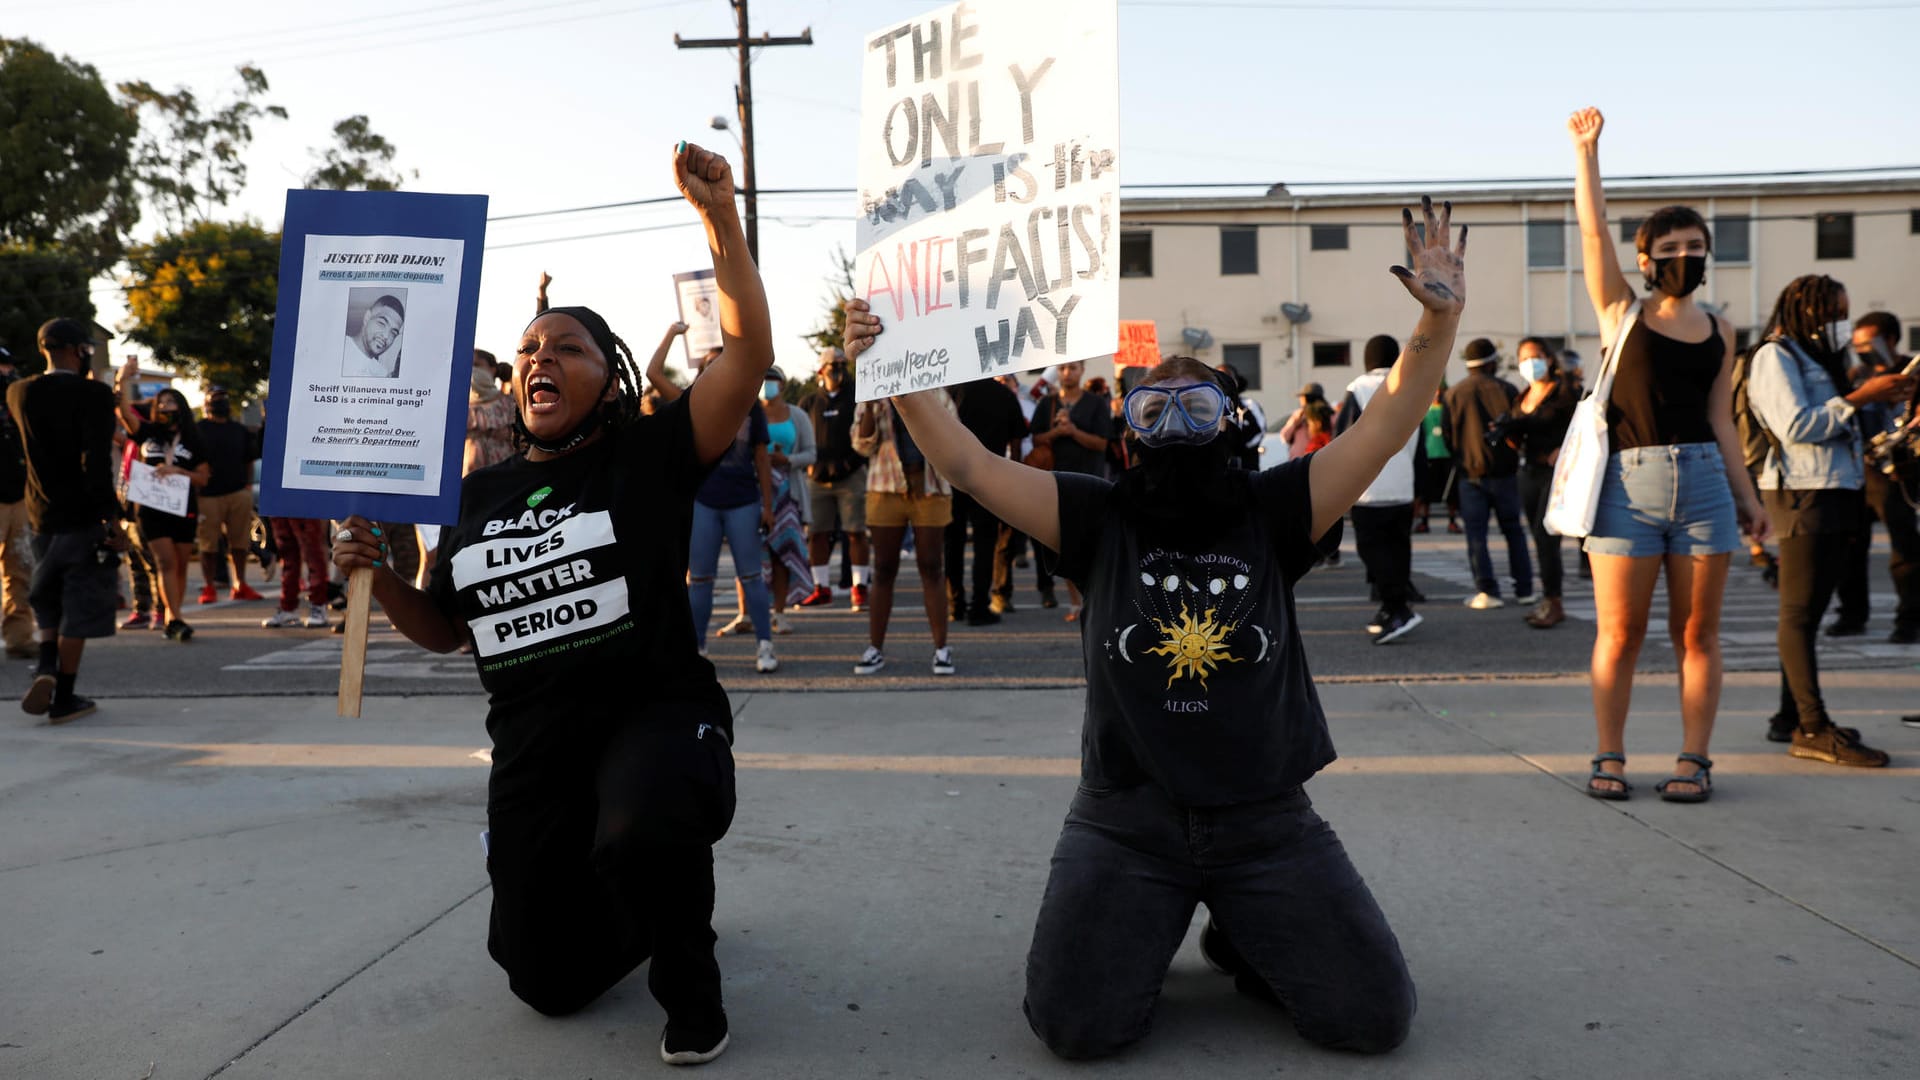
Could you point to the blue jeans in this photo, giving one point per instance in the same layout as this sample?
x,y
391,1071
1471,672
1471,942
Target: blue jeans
x,y
740,527
1127,872
1501,495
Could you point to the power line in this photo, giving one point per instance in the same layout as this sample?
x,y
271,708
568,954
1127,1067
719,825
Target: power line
x,y
1283,6
263,38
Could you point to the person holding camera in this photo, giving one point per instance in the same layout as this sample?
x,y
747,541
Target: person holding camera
x,y
1479,409
1876,337
66,428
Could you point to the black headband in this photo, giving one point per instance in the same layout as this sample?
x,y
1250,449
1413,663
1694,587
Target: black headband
x,y
597,328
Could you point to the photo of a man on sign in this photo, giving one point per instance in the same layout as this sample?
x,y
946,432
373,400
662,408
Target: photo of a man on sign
x,y
375,319
989,192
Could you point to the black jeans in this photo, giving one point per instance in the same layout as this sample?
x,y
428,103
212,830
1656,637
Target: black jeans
x,y
1814,541
609,861
1903,565
967,513
1383,535
1536,483
1129,868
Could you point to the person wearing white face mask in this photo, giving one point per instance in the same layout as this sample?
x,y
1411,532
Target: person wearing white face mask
x,y
1541,417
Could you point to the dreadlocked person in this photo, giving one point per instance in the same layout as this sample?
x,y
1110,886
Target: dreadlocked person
x,y
566,572
1201,719
1811,482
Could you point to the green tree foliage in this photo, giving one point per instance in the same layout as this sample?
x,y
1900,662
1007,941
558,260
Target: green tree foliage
x,y
65,157
189,160
203,300
360,159
37,284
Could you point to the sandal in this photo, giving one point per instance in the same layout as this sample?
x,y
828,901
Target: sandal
x,y
1703,778
1625,789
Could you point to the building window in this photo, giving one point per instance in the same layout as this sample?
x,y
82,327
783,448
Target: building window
x,y
1742,338
1332,354
1913,225
1557,343
1913,338
1244,359
1239,249
1732,238
1136,254
1546,245
1833,236
1329,237
1630,229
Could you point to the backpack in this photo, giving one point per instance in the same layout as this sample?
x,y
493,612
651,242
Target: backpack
x,y
1756,442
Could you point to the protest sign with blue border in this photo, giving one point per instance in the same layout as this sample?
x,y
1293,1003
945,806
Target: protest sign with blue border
x,y
372,355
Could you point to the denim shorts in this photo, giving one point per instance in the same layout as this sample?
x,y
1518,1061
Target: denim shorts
x,y
1665,500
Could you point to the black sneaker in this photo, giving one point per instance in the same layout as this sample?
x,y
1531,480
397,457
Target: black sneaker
x,y
1836,746
1047,600
1846,628
682,1044
1415,595
1905,635
1379,621
1399,626
39,696
982,617
179,631
73,708
1911,721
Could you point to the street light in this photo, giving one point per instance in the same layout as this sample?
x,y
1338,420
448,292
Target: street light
x,y
721,123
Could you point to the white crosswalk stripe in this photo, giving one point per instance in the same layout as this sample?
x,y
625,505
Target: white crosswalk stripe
x,y
1748,618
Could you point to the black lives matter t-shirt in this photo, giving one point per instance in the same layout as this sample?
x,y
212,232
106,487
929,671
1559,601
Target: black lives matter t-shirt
x,y
570,575
1196,677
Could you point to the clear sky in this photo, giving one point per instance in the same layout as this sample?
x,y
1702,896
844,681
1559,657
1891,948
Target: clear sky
x,y
579,102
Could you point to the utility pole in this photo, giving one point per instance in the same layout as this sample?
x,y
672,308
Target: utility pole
x,y
743,97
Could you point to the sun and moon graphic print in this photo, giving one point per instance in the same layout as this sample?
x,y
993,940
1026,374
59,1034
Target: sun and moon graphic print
x,y
1194,619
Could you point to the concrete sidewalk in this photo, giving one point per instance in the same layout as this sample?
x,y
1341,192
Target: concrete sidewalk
x,y
254,888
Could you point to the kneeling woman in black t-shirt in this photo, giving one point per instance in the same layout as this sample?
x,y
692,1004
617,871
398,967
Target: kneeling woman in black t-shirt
x,y
612,775
1201,719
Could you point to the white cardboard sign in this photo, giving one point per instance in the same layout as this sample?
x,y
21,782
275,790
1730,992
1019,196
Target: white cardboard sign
x,y
989,192
167,494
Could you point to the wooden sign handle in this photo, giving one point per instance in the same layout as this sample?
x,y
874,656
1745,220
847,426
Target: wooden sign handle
x,y
353,654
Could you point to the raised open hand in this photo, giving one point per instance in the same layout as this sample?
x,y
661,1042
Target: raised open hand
x,y
1584,125
704,177
1439,275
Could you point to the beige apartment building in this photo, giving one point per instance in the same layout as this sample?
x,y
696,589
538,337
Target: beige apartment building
x,y
1288,287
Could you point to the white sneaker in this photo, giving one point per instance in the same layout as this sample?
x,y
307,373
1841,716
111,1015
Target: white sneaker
x,y
740,625
281,620
764,662
316,618
871,661
1485,602
780,624
943,661
1526,601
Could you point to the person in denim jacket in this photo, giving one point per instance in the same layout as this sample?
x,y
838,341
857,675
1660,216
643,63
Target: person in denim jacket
x,y
1811,483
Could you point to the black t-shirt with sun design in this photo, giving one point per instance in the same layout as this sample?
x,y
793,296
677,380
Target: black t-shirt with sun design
x,y
1196,676
570,575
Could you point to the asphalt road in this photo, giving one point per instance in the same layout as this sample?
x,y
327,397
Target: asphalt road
x,y
1033,648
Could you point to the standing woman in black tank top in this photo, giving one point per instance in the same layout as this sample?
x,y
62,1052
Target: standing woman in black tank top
x,y
1675,483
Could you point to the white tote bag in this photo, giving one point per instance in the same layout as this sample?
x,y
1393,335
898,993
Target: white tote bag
x,y
1582,465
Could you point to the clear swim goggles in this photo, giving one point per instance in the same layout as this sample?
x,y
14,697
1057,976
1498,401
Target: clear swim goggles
x,y
1166,413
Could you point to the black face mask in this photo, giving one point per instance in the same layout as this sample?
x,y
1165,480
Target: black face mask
x,y
1677,275
1183,495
